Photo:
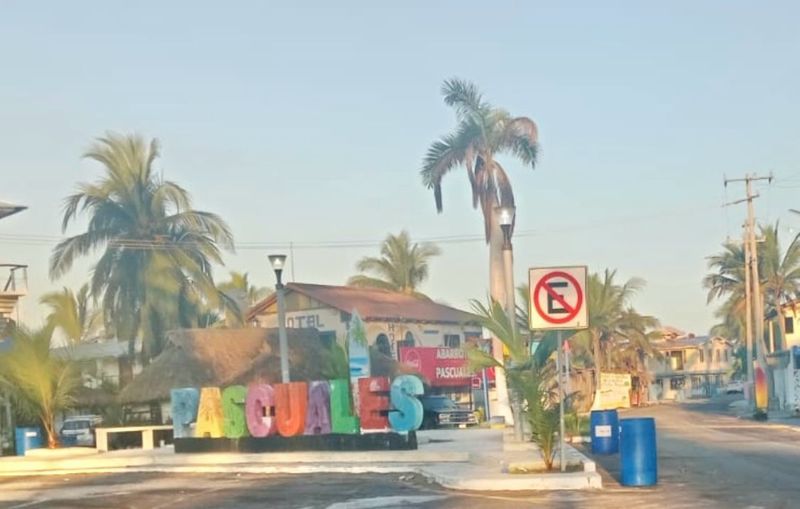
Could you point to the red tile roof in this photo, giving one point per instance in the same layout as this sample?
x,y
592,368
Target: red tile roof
x,y
373,304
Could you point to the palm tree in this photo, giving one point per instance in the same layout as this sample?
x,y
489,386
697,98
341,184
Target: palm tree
x,y
483,132
779,274
402,266
532,377
613,323
779,271
71,313
40,384
154,243
239,287
242,294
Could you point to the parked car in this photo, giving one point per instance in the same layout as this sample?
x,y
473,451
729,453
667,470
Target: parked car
x,y
442,411
79,430
734,387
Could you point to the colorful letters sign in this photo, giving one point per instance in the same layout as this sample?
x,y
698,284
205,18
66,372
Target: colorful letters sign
x,y
297,408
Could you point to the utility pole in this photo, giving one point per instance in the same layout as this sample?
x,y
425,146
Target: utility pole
x,y
754,302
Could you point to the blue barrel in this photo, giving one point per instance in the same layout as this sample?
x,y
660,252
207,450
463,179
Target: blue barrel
x,y
27,439
604,426
638,455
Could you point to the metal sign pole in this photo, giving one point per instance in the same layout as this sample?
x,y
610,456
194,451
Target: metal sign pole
x,y
559,363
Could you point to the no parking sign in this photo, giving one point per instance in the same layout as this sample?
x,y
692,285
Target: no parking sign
x,y
558,298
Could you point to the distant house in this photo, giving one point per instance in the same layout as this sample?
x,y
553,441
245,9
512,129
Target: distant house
x,y
690,366
101,363
783,358
791,322
392,319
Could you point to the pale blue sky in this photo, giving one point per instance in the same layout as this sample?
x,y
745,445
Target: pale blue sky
x,y
308,123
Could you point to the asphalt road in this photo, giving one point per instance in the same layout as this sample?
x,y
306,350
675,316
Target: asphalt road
x,y
706,461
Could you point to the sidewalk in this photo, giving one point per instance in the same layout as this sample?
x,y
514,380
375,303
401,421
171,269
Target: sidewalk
x,y
472,459
783,419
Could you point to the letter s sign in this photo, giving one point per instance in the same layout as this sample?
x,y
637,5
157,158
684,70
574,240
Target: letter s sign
x,y
407,412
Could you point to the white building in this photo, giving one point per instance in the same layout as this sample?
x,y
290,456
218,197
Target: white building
x,y
690,367
392,319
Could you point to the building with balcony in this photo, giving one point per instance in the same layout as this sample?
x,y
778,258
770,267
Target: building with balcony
x,y
13,286
690,366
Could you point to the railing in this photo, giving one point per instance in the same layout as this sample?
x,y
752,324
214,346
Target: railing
x,y
17,280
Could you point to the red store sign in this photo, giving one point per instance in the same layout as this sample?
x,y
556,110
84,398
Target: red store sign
x,y
440,366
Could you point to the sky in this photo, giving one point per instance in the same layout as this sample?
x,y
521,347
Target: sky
x,y
306,122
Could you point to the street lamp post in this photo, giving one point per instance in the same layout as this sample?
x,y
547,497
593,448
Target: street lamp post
x,y
506,220
278,261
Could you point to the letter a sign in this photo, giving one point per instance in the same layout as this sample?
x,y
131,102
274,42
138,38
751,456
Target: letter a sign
x,y
558,298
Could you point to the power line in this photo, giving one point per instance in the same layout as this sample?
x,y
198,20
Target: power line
x,y
146,244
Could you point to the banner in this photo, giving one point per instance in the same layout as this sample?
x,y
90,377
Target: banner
x,y
615,391
442,367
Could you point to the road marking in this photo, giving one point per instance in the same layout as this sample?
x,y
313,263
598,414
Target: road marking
x,y
377,502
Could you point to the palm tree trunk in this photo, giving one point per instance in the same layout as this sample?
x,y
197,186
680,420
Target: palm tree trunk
x,y
498,293
50,429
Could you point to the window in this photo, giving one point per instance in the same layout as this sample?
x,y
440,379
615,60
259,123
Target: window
x,y
717,352
676,360
702,354
384,347
788,321
726,355
676,383
452,340
327,338
408,341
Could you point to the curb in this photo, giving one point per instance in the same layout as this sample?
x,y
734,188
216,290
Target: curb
x,y
555,481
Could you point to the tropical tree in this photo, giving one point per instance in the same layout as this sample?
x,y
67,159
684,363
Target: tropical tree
x,y
243,293
156,247
779,271
240,288
779,275
71,313
40,384
531,377
482,133
613,323
402,266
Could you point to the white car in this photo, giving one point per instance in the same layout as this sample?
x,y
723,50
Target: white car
x,y
734,387
79,430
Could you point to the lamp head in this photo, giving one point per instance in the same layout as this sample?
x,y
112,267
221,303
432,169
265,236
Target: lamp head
x,y
277,261
506,215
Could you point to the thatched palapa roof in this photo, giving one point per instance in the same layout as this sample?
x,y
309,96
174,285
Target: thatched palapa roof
x,y
221,357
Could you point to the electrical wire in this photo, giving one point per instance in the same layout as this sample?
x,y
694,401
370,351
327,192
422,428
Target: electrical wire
x,y
146,244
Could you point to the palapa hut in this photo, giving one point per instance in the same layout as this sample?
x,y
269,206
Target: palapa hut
x,y
217,358
222,357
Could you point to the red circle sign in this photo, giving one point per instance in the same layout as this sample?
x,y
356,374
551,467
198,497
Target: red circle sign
x,y
572,310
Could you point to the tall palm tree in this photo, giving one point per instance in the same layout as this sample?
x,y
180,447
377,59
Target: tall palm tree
x,y
402,266
482,132
613,322
154,243
71,313
779,274
40,384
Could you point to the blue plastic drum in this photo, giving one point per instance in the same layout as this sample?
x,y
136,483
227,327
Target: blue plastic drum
x,y
604,426
638,454
27,439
